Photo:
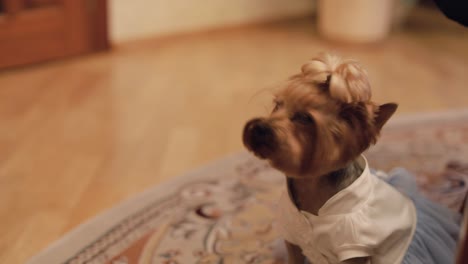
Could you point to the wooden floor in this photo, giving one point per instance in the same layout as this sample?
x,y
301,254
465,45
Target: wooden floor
x,y
79,136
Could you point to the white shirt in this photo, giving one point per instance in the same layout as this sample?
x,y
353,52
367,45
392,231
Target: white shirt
x,y
369,218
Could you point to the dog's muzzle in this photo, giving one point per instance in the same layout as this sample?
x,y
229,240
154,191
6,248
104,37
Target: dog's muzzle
x,y
259,137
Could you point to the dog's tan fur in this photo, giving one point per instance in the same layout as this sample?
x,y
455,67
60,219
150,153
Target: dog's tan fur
x,y
322,121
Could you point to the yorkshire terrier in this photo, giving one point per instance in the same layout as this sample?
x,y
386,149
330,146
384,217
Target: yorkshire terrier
x,y
323,120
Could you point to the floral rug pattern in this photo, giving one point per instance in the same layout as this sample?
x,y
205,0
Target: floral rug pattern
x,y
228,216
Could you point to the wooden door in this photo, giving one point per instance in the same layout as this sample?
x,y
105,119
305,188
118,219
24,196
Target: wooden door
x,y
33,31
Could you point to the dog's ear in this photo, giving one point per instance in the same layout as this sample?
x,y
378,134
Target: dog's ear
x,y
383,114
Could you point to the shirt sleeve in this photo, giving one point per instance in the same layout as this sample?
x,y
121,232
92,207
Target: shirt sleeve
x,y
351,240
353,251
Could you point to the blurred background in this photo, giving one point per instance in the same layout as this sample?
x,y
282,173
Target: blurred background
x,y
100,100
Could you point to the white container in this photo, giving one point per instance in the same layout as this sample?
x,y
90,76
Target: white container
x,y
359,21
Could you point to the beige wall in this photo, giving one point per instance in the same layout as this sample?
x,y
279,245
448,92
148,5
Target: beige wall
x,y
134,19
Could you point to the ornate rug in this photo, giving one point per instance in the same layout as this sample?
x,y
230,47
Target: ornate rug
x,y
222,213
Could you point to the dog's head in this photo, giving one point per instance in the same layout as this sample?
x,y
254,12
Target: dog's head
x,y
322,119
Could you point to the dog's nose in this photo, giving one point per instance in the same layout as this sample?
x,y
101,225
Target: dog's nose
x,y
261,130
258,133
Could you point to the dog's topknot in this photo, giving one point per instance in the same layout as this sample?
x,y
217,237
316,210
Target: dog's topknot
x,y
347,80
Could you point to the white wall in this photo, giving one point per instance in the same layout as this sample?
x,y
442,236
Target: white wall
x,y
134,19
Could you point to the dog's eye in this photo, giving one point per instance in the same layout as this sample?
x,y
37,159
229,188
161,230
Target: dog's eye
x,y
278,104
302,118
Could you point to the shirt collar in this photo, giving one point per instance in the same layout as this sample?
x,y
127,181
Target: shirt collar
x,y
350,198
